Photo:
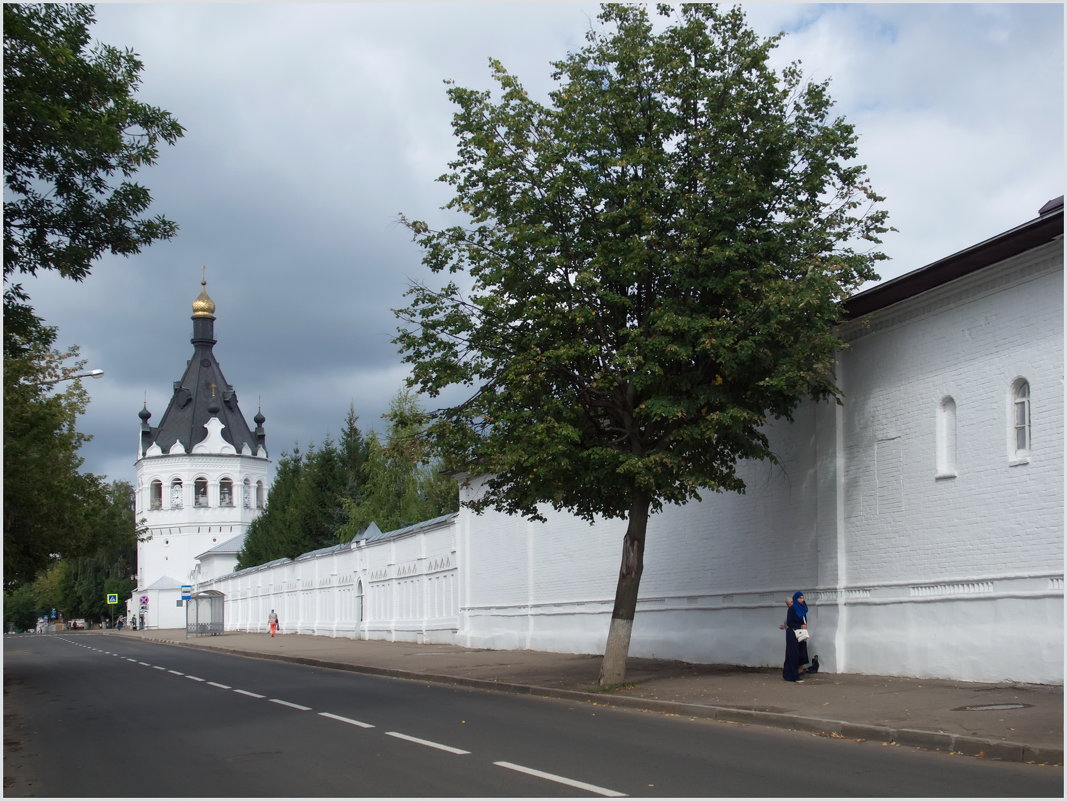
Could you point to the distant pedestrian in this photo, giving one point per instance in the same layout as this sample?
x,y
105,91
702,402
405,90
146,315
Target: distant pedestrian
x,y
796,653
272,622
140,621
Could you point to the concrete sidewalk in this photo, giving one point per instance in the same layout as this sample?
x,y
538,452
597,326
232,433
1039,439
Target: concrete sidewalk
x,y
1015,722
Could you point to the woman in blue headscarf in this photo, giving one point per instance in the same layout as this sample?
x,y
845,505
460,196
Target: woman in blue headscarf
x,y
796,653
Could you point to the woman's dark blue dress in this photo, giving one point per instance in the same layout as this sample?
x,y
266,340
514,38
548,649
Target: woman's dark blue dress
x,y
796,653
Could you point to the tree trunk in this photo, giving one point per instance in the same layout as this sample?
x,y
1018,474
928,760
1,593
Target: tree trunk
x,y
613,668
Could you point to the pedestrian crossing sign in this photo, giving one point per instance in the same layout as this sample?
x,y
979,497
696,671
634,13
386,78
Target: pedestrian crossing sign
x,y
112,597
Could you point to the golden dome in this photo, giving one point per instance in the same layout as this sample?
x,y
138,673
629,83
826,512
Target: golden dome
x,y
203,306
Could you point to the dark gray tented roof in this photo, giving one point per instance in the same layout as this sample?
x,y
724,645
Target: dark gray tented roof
x,y
200,394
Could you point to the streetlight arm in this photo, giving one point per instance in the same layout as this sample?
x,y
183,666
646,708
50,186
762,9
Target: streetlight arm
x,y
86,374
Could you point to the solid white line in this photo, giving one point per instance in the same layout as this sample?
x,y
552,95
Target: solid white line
x,y
409,738
346,720
562,780
195,678
220,686
287,703
175,672
250,695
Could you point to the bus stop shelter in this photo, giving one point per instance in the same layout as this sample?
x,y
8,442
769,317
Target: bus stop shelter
x,y
205,613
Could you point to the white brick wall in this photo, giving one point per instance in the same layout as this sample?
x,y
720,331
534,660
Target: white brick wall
x,y
399,588
906,572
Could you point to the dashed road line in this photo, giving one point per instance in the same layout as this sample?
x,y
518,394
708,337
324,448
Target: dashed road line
x,y
429,743
290,704
579,785
592,788
332,716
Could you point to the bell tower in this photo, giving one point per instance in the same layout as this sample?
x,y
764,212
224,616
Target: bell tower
x,y
201,480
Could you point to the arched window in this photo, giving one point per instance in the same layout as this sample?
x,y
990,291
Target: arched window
x,y
1020,416
247,493
200,492
226,492
176,494
155,495
261,498
946,438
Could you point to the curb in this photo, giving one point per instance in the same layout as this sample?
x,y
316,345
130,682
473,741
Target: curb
x,y
913,738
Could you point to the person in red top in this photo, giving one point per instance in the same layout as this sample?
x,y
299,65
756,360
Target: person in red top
x,y
272,622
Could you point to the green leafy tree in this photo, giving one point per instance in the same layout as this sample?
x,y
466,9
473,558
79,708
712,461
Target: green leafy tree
x,y
110,566
402,483
21,608
73,138
655,262
334,491
48,502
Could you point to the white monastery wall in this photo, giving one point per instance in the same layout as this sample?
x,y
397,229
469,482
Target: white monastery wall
x,y
972,551
926,545
399,586
911,567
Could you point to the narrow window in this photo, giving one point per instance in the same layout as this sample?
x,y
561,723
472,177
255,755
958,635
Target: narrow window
x,y
156,495
200,492
1021,419
247,493
946,438
226,492
176,494
260,497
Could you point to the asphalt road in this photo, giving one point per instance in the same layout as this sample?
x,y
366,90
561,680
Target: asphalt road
x,y
107,716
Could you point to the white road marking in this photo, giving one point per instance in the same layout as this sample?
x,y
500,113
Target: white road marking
x,y
139,662
562,780
176,673
220,686
157,667
346,720
195,678
251,695
440,747
287,703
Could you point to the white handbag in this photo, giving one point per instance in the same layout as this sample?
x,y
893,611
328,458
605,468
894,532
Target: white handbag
x,y
802,634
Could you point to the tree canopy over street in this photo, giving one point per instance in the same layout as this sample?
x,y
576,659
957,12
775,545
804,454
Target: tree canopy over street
x,y
653,266
74,136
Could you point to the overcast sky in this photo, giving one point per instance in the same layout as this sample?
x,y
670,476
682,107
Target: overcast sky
x,y
311,126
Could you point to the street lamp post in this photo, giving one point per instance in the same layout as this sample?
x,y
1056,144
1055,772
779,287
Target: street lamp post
x,y
85,374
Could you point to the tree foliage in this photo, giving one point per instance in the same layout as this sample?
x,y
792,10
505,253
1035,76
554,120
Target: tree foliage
x,y
74,136
334,491
401,483
655,261
46,498
111,563
77,584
